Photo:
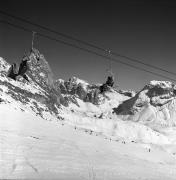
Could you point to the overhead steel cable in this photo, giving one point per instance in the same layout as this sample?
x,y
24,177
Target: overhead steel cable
x,y
51,30
87,50
146,64
105,50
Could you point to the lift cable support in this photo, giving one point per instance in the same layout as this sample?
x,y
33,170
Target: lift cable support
x,y
33,38
109,69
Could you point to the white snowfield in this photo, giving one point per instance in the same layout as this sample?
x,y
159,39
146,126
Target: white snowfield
x,y
31,105
31,87
33,148
100,119
39,140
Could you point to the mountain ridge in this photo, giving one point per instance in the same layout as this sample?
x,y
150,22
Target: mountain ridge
x,y
114,113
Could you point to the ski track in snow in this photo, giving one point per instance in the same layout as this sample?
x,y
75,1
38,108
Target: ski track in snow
x,y
35,148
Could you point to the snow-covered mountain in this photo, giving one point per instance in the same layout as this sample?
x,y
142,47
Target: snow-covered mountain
x,y
80,104
154,105
147,118
30,96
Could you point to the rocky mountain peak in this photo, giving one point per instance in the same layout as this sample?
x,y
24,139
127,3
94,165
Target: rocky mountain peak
x,y
40,70
154,103
160,88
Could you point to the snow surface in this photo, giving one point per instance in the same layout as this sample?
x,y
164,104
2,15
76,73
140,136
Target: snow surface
x,y
162,84
101,120
41,139
77,81
31,87
34,148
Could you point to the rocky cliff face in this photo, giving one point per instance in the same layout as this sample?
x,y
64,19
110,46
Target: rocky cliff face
x,y
39,94
41,73
48,92
154,104
40,69
79,88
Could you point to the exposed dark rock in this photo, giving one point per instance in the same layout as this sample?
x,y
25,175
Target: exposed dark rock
x,y
110,81
84,91
128,93
12,72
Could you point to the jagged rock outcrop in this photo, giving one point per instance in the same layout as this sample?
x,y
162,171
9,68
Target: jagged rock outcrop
x,y
39,94
79,88
154,104
40,69
41,73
